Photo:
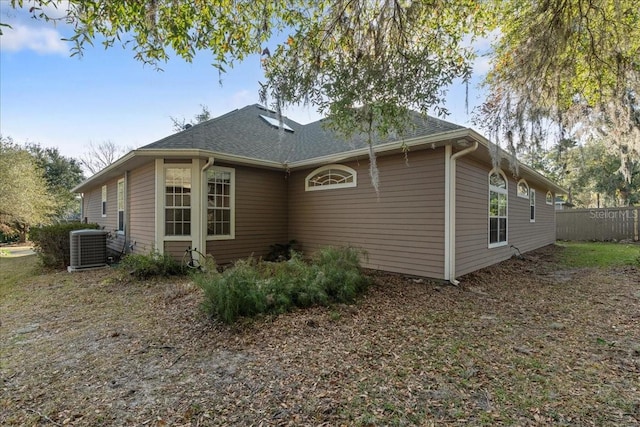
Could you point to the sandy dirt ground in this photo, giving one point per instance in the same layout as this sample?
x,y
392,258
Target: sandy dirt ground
x,y
522,343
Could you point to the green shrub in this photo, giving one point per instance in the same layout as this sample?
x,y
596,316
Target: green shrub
x,y
8,237
234,292
52,244
145,266
338,273
251,287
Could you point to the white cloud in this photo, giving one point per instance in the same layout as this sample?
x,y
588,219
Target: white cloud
x,y
481,65
483,47
303,114
241,99
40,40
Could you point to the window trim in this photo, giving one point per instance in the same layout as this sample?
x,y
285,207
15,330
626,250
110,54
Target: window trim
x,y
118,200
532,205
317,171
520,194
499,190
549,198
103,204
176,237
232,204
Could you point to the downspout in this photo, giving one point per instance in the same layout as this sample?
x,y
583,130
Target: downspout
x,y
450,210
82,208
202,213
126,217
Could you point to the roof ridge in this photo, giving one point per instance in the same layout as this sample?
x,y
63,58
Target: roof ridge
x,y
197,125
236,132
413,113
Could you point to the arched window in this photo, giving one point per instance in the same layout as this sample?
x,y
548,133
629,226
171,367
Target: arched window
x,y
549,198
498,208
523,189
329,177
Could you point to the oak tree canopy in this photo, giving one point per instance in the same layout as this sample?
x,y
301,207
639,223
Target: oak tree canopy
x,y
563,69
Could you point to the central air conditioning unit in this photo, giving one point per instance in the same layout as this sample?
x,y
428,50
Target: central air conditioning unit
x,y
88,249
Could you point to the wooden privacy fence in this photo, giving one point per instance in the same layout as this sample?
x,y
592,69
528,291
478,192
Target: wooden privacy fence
x,y
602,224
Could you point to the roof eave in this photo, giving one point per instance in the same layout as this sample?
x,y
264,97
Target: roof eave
x,y
153,153
527,169
436,140
100,175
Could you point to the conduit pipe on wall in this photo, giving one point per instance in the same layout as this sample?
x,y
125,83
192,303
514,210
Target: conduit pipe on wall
x,y
450,210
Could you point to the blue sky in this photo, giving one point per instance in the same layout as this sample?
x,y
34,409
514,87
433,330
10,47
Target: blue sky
x,y
56,100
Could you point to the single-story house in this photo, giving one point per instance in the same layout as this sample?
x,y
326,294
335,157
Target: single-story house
x,y
241,182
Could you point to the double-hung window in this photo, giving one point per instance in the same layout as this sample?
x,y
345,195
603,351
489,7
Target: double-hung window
x,y
220,203
177,208
120,199
532,205
498,208
104,201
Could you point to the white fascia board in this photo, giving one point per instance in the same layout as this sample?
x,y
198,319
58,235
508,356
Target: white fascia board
x,y
232,158
192,153
439,138
98,177
122,162
528,171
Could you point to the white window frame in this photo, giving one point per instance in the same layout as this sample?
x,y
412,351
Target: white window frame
x,y
120,198
353,183
178,237
549,198
532,205
505,192
521,194
232,204
103,204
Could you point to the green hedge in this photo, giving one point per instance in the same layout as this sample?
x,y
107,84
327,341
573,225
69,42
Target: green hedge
x,y
52,244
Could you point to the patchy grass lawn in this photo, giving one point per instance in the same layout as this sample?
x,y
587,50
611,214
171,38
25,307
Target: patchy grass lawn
x,y
599,254
527,342
14,269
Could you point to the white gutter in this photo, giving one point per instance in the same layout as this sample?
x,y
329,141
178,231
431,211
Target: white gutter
x,y
381,148
543,180
218,156
174,153
450,210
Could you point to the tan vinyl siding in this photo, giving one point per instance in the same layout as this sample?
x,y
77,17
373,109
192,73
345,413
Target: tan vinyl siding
x,y
402,230
141,208
472,192
260,215
91,208
176,248
116,242
93,212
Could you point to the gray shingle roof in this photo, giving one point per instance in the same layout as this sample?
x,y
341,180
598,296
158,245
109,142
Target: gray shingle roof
x,y
244,133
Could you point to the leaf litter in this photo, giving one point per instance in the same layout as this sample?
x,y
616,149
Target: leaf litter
x,y
523,342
